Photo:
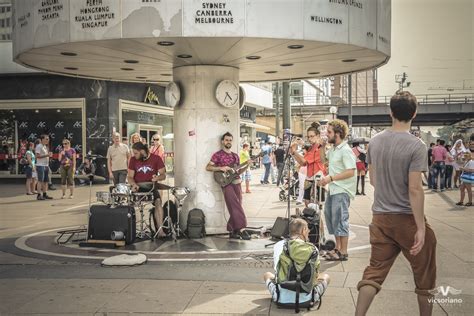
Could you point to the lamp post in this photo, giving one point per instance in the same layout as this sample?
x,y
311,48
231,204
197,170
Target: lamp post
x,y
333,111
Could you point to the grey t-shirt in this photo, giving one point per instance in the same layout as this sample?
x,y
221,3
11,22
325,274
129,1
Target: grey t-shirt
x,y
392,155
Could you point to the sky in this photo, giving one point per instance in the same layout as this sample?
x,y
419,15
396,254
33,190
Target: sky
x,y
433,42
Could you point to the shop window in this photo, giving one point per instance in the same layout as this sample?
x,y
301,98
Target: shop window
x,y
19,127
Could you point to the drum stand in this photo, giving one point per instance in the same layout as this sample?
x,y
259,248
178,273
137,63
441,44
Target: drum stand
x,y
167,222
145,229
179,231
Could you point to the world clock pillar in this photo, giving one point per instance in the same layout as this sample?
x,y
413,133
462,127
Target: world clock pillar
x,y
200,120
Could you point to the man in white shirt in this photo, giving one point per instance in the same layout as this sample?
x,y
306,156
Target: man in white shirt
x,y
43,154
118,156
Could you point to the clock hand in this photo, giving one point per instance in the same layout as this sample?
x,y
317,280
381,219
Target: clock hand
x,y
172,94
227,95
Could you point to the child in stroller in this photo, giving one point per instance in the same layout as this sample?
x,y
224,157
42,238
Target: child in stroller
x,y
294,184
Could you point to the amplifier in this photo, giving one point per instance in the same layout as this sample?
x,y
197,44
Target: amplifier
x,y
103,220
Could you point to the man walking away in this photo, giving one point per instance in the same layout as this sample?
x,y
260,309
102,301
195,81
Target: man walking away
x,y
118,156
280,162
267,161
342,188
398,221
439,166
430,163
42,167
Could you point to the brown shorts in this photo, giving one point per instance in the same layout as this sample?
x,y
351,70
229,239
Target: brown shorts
x,y
390,234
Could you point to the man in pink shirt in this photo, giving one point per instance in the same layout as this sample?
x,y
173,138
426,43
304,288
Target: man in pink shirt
x,y
439,155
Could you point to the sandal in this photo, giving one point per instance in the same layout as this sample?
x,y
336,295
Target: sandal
x,y
460,203
340,257
468,204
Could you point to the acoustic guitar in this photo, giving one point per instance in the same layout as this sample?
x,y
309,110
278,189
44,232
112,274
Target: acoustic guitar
x,y
227,177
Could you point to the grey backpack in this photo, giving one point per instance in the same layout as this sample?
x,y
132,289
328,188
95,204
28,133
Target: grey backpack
x,y
196,224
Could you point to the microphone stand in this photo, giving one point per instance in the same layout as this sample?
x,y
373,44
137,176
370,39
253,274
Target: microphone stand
x,y
287,164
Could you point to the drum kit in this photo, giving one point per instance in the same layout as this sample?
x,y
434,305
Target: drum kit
x,y
122,195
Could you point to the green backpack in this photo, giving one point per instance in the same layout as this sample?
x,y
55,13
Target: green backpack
x,y
297,270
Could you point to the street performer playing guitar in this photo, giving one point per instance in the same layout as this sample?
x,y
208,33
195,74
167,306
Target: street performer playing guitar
x,y
224,161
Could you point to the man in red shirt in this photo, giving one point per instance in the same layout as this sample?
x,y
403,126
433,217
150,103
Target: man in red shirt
x,y
439,154
145,167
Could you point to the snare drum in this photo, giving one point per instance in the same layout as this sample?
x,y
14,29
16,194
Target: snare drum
x,y
143,197
104,197
121,189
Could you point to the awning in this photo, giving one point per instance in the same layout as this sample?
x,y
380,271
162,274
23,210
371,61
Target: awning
x,y
250,124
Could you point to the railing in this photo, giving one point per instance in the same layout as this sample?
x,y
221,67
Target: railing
x,y
312,100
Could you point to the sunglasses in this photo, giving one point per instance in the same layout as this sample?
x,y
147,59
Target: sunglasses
x,y
65,143
156,139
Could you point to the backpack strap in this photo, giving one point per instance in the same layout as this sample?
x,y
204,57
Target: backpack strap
x,y
298,285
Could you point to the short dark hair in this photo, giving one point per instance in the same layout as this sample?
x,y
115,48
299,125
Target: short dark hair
x,y
442,142
140,146
403,106
432,144
227,135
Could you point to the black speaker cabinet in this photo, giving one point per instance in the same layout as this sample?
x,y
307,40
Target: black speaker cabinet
x,y
103,220
280,228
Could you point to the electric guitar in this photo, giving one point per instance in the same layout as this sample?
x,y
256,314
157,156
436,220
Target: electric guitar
x,y
227,177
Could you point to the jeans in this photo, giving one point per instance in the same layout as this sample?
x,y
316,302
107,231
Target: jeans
x,y
336,212
280,167
430,177
267,171
439,169
448,183
120,176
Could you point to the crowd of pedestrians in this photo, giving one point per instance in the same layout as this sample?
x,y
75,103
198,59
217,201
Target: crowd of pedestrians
x,y
35,160
451,167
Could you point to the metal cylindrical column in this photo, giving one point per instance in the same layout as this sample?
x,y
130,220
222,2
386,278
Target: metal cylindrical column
x,y
199,123
286,105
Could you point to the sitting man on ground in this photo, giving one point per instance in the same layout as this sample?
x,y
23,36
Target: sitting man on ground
x,y
297,245
143,169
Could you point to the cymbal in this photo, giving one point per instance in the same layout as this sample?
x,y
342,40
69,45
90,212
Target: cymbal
x,y
158,186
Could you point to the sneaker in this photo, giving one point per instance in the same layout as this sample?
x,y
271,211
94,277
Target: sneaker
x,y
442,190
357,193
71,196
434,190
63,197
47,197
51,187
244,235
39,197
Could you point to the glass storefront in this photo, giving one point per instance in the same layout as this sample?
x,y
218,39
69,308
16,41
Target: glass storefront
x,y
19,127
147,124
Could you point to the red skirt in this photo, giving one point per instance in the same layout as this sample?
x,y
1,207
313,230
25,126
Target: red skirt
x,y
360,166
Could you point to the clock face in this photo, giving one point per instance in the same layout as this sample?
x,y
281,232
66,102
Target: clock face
x,y
227,93
172,94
